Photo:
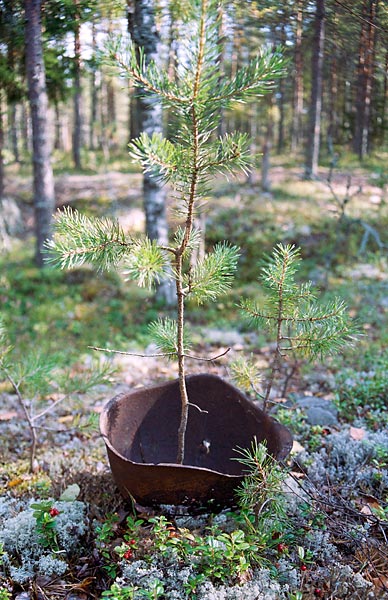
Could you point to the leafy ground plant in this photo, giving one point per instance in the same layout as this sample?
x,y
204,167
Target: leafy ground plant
x,y
197,96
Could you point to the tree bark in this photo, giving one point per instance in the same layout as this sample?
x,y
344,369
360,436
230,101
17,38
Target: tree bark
x,y
298,81
77,131
25,128
281,99
384,101
44,200
267,145
1,148
57,126
332,102
144,34
13,132
93,93
363,103
314,130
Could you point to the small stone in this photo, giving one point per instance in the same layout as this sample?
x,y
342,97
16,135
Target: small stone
x,y
319,411
319,416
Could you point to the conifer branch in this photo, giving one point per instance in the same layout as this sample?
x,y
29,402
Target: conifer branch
x,y
300,324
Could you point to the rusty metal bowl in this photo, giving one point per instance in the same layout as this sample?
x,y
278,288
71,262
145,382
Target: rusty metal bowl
x,y
140,433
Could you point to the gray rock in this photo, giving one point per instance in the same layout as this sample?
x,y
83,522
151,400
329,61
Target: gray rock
x,y
319,416
223,337
318,410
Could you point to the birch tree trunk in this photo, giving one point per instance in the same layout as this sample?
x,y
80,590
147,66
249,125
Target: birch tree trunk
x,y
144,34
314,129
44,200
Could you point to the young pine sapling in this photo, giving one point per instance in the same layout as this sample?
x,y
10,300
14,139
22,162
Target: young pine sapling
x,y
301,324
197,97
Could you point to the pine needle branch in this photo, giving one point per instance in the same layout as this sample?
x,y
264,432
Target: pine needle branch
x,y
79,240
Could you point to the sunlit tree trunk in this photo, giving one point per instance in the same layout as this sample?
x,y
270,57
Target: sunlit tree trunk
x,y
44,202
144,34
314,129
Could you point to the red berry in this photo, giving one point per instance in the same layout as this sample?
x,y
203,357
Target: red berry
x,y
132,542
318,592
303,568
281,547
54,512
128,554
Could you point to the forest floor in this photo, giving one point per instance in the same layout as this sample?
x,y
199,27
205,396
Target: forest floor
x,y
325,536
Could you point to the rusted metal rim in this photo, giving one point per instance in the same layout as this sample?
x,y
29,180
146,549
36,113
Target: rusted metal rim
x,y
140,432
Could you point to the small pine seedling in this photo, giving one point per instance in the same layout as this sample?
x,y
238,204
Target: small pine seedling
x,y
301,324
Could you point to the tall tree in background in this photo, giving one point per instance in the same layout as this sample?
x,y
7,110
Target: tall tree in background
x,y
44,200
77,131
1,146
297,108
144,34
314,126
364,82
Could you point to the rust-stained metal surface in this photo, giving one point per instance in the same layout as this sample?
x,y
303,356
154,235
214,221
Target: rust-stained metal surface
x,y
140,432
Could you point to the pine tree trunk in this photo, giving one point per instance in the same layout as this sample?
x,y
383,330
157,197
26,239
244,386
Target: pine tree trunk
x,y
13,132
384,102
145,34
93,93
267,146
44,201
361,140
298,81
111,102
332,103
281,99
111,107
1,148
314,129
25,129
57,126
221,130
77,131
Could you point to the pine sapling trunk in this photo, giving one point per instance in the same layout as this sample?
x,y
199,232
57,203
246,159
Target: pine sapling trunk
x,y
278,352
185,241
181,363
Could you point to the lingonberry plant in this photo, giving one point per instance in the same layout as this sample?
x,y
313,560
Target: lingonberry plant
x,y
197,96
